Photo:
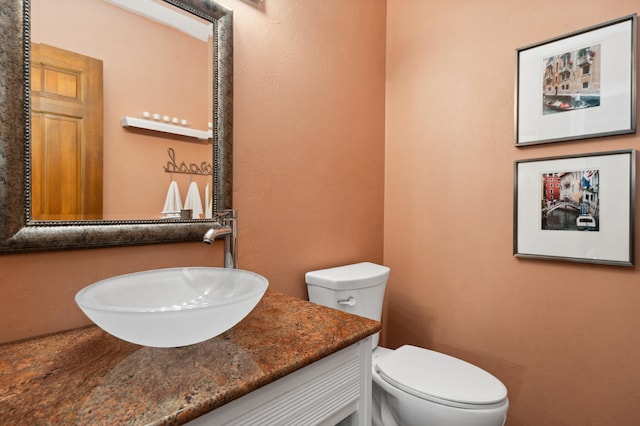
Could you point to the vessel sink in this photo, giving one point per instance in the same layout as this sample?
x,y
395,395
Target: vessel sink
x,y
172,307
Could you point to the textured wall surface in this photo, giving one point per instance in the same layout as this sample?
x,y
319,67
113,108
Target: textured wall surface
x,y
561,336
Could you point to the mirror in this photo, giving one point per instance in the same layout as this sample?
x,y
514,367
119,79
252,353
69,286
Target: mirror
x,y
20,177
108,107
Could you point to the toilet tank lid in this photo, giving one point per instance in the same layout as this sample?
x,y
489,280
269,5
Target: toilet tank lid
x,y
441,378
358,275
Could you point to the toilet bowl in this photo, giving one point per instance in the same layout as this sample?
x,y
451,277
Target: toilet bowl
x,y
418,387
411,386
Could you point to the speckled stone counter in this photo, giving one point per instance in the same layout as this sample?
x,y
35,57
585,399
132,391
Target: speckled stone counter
x,y
87,376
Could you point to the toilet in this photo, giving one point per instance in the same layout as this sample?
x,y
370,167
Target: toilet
x,y
412,386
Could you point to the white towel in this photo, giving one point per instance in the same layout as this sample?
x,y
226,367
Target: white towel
x,y
208,214
193,201
173,202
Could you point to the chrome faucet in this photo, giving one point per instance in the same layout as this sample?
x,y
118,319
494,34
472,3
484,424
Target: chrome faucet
x,y
228,230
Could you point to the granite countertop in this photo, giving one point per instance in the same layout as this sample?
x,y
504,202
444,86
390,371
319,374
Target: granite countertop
x,y
87,376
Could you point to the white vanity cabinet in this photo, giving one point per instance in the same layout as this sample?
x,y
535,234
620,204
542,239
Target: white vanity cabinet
x,y
335,389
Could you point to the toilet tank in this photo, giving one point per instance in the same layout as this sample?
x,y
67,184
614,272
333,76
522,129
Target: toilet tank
x,y
357,289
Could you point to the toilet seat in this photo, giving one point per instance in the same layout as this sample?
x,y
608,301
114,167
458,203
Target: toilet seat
x,y
441,378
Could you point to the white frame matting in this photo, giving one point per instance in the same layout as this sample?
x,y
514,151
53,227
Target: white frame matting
x,y
616,113
613,242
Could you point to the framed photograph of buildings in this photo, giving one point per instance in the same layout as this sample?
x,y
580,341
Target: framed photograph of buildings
x,y
577,208
579,85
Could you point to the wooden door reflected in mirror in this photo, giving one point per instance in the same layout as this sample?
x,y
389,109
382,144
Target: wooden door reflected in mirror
x,y
67,141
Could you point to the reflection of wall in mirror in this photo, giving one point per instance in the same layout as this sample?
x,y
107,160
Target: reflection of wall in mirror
x,y
147,67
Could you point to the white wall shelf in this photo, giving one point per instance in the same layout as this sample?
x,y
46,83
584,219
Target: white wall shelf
x,y
158,126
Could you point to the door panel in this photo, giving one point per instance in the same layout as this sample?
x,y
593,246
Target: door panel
x,y
67,141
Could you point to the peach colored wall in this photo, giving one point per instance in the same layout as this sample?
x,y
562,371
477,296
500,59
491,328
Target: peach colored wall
x,y
308,165
563,337
308,135
147,67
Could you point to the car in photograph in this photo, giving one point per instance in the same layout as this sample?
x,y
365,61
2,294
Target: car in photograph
x,y
586,223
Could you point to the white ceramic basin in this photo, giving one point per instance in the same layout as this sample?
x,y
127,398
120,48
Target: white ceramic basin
x,y
172,307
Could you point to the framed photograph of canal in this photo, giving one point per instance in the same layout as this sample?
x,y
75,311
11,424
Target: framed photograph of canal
x,y
579,85
576,208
